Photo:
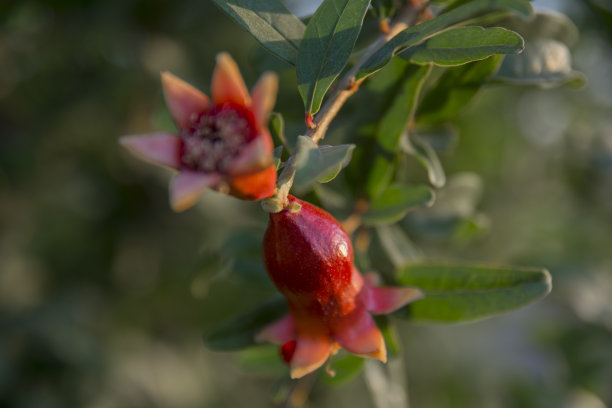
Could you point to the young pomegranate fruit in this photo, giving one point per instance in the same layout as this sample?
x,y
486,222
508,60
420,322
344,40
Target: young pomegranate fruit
x,y
309,258
222,144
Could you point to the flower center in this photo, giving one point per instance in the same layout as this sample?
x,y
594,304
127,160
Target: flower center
x,y
216,137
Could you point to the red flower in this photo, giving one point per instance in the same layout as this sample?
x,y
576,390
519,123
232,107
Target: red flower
x,y
309,258
222,144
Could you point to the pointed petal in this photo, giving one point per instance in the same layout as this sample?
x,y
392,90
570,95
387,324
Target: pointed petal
x,y
279,332
187,186
256,186
184,101
227,83
358,334
384,300
311,352
264,97
159,148
256,155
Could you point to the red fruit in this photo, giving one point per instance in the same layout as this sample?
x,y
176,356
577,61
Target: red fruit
x,y
309,258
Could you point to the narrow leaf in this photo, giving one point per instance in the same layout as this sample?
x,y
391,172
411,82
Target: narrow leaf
x,y
240,331
465,292
270,22
455,88
392,205
428,158
465,44
392,126
320,164
327,45
415,35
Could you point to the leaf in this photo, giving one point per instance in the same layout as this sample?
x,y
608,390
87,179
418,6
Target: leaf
x,y
392,126
421,32
320,164
425,155
392,205
455,88
548,24
397,246
277,131
546,63
326,47
466,292
270,22
278,152
465,44
240,331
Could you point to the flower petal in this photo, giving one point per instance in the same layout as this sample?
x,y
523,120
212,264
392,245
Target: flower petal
x,y
187,186
159,148
227,83
256,155
358,334
311,352
264,97
184,101
254,186
382,300
279,332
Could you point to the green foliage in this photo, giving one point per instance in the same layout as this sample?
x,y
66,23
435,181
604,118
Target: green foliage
x,y
319,163
415,35
240,331
466,292
345,367
425,155
393,204
464,44
326,48
269,21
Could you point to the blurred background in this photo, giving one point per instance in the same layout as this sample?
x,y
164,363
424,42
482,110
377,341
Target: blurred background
x,y
105,293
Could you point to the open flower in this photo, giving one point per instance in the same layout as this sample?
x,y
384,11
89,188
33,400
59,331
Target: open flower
x,y
309,258
222,144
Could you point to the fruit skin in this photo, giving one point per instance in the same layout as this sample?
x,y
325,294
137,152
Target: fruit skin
x,y
309,258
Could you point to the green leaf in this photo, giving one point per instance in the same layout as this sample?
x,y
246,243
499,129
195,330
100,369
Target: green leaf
x,y
415,35
392,205
240,331
465,292
278,152
455,88
326,47
465,44
277,130
269,21
427,156
392,126
346,367
319,164
397,246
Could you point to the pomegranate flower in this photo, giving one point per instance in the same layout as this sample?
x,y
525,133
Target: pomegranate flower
x,y
222,144
309,258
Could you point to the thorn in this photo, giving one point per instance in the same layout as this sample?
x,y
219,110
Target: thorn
x,y
310,121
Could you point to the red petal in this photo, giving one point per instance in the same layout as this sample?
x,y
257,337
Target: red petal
x,y
184,102
384,300
255,156
227,83
159,148
256,186
264,97
279,332
358,334
187,186
311,352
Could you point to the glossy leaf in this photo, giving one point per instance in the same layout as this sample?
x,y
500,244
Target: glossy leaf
x,y
455,89
393,204
427,156
319,164
327,45
240,331
392,126
270,22
465,44
466,292
415,35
